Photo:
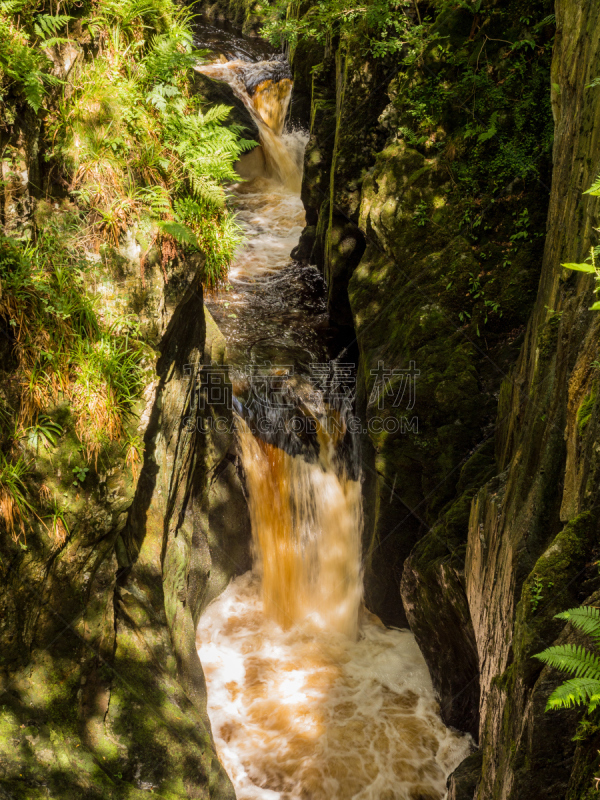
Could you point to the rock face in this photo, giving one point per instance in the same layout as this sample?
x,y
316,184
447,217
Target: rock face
x,y
483,525
533,530
386,228
276,69
103,693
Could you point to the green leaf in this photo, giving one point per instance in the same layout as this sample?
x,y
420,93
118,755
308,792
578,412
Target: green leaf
x,y
575,692
491,131
580,267
595,307
594,188
180,233
585,618
572,658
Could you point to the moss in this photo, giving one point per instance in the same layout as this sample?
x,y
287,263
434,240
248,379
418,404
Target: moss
x,y
585,410
505,681
550,588
586,766
548,335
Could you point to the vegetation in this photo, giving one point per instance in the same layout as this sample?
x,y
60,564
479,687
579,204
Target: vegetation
x,y
379,27
59,341
494,99
590,265
129,137
14,505
103,90
583,664
464,85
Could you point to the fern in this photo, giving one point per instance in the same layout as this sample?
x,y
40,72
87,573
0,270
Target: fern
x,y
595,187
128,15
576,692
207,151
26,65
47,25
572,658
585,618
156,199
169,53
584,687
160,93
181,233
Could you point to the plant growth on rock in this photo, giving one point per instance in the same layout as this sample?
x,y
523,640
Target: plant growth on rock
x,y
108,154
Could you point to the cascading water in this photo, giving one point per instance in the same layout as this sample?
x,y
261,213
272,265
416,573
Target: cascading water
x,y
310,697
267,101
306,518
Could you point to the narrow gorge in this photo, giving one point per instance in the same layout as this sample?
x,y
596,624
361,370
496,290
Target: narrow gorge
x,y
299,403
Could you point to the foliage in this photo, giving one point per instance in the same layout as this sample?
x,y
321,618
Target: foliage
x,y
27,67
62,346
584,687
14,506
378,27
80,474
128,135
585,410
58,525
461,67
536,593
138,151
44,431
590,266
492,96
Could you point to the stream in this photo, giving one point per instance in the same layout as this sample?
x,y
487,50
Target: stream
x,y
309,695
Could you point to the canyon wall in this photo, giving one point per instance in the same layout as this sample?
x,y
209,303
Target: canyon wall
x,y
102,693
483,525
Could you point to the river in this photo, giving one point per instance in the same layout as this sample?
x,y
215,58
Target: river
x,y
310,697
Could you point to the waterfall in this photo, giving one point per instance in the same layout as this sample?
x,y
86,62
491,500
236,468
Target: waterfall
x,y
310,697
267,102
306,522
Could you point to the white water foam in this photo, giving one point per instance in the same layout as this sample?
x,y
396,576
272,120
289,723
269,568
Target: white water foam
x,y
307,714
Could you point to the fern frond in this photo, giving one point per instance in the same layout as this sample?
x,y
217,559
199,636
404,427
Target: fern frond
x,y
549,20
47,25
217,113
53,41
13,6
180,233
51,80
572,658
208,189
595,187
33,90
159,94
156,198
585,618
575,692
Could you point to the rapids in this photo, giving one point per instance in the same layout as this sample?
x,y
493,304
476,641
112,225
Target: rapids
x,y
310,697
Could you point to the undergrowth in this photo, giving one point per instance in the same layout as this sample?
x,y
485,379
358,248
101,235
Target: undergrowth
x,y
62,345
139,155
468,84
470,77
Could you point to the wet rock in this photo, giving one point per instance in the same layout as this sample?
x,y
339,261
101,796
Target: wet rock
x,y
462,784
275,70
435,594
303,250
